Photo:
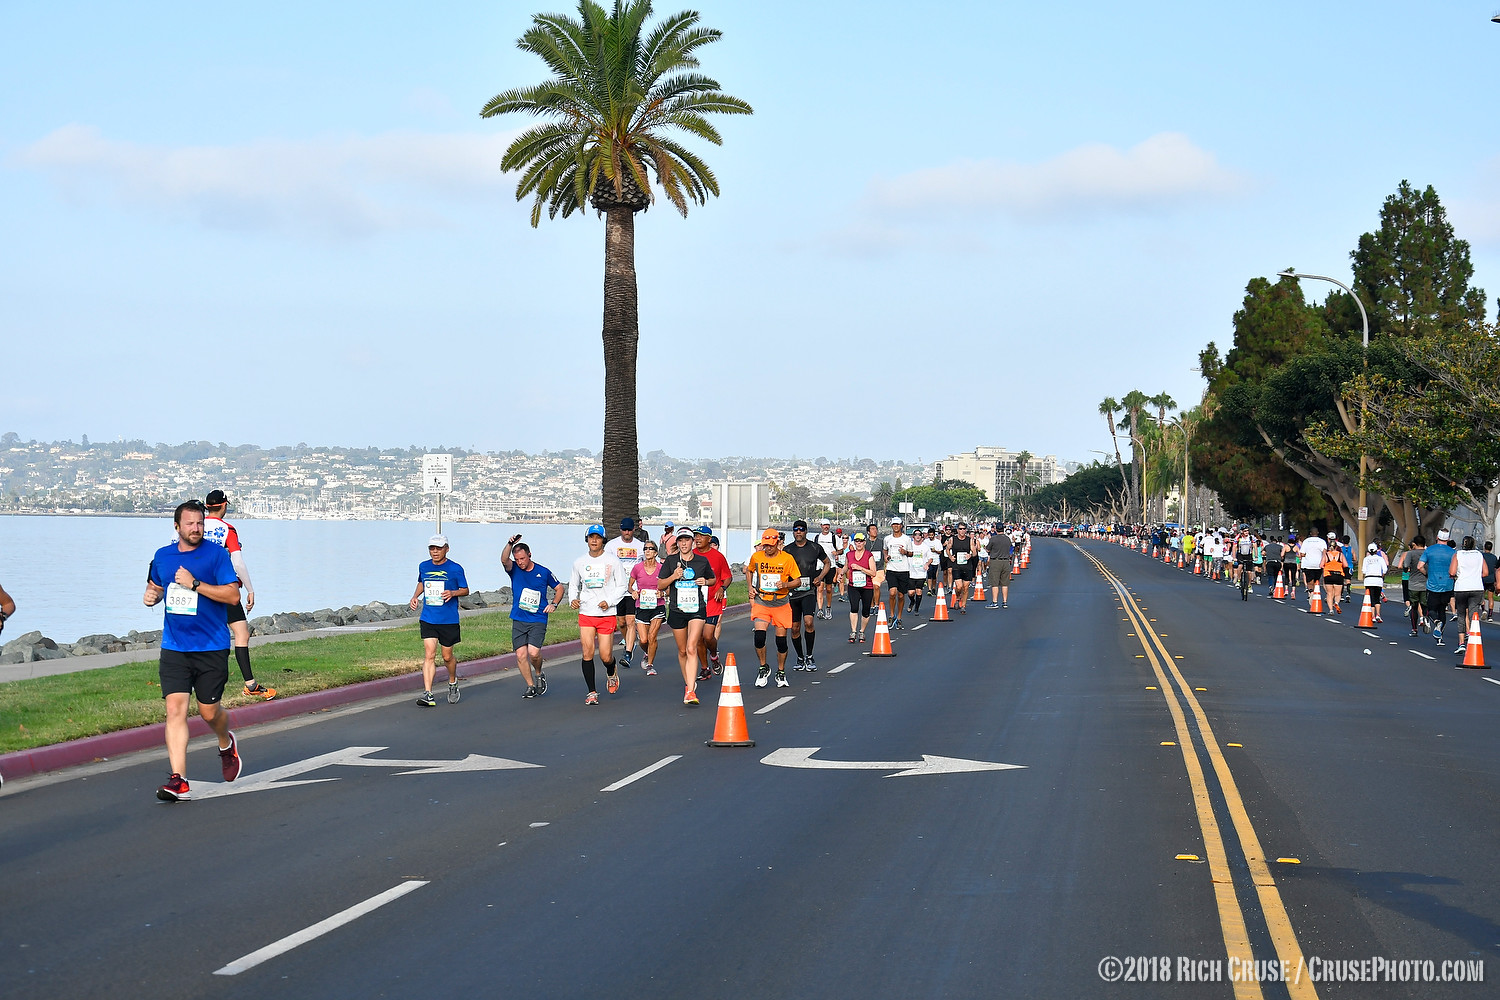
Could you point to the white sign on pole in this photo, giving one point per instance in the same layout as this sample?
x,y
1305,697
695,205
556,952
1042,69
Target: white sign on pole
x,y
869,515
907,508
741,505
922,514
1364,513
437,474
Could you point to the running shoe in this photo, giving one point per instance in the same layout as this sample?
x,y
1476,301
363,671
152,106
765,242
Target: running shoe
x,y
798,664
1460,650
175,790
541,681
781,679
1004,605
453,692
851,637
592,699
625,660
650,670
530,691
992,605
1412,633
809,665
254,689
613,684
762,676
690,697
229,759
704,673
427,700
861,637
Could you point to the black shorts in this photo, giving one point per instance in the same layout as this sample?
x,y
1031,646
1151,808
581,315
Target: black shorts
x,y
1334,579
1312,575
446,635
527,634
899,580
861,600
804,606
203,673
626,607
1272,568
964,572
236,612
679,620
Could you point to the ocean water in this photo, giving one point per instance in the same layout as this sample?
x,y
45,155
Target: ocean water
x,y
76,576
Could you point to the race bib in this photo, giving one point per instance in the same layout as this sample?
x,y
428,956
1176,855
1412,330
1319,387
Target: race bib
x,y
181,600
687,596
875,557
858,579
647,601
432,591
962,558
803,583
594,580
770,581
531,600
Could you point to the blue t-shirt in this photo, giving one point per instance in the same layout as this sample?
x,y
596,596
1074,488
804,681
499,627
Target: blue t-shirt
x,y
530,592
435,580
192,622
1437,558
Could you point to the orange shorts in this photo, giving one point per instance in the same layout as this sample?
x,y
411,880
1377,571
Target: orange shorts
x,y
605,625
780,617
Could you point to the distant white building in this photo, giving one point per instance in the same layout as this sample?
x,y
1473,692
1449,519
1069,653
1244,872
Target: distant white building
x,y
995,470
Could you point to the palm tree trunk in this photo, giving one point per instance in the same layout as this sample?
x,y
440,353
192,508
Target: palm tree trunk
x,y
621,486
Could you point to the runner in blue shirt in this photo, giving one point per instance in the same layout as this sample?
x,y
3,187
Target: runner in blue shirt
x,y
440,583
1434,565
530,585
199,583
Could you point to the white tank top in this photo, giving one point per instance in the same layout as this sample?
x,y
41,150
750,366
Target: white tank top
x,y
1470,570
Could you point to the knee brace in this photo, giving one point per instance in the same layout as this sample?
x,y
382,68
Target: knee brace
x,y
780,643
760,638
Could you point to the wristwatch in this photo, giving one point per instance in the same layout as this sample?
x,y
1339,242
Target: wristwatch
x,y
195,584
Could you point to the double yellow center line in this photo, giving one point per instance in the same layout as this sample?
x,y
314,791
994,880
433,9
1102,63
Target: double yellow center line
x,y
1231,917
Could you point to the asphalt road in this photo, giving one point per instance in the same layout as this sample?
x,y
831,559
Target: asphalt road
x,y
721,875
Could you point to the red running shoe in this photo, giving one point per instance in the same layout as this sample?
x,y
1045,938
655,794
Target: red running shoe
x,y
175,790
229,759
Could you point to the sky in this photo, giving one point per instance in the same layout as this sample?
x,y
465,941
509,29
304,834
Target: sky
x,y
944,226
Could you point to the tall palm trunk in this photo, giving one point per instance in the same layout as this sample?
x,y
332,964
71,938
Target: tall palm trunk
x,y
622,482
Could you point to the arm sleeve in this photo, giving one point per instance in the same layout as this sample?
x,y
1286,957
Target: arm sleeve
x,y
615,587
237,560
223,569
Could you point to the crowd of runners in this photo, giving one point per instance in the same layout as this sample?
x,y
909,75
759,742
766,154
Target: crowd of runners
x,y
1449,580
625,590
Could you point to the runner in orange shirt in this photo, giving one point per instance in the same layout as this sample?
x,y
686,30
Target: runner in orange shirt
x,y
771,574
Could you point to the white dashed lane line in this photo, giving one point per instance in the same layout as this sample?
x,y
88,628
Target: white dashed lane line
x,y
841,667
637,776
317,930
774,705
1422,655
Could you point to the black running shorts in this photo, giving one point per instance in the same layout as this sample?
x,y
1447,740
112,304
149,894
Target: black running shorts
x,y
203,673
804,606
236,612
626,607
446,635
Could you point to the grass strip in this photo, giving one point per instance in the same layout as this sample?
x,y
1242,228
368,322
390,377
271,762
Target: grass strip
x,y
40,711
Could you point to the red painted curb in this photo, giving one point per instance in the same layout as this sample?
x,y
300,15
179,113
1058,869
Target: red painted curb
x,y
38,760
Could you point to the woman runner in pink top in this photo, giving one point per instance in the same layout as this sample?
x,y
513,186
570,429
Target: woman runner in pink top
x,y
650,612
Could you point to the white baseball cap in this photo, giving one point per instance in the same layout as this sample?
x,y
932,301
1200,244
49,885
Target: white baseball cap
x,y
441,541
1444,535
897,520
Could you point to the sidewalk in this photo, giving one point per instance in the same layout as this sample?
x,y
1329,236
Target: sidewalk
x,y
74,664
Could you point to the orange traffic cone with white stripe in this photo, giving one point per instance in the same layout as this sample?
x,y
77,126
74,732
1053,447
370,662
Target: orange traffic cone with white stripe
x,y
882,645
1197,566
940,609
1367,613
978,592
730,728
1474,645
1315,602
1279,592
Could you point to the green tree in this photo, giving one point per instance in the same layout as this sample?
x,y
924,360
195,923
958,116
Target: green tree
x,y
1107,409
1134,402
618,94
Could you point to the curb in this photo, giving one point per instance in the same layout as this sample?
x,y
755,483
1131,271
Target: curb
x,y
39,760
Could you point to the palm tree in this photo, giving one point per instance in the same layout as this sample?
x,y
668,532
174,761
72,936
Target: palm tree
x,y
1135,401
617,91
1163,402
1107,409
1018,487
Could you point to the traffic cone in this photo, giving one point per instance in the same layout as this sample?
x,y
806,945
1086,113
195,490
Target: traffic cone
x,y
978,594
1197,566
882,645
1315,603
1180,560
1279,593
730,728
940,609
1474,645
1367,613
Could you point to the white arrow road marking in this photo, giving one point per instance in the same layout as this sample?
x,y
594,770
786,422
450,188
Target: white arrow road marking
x,y
348,757
317,930
929,764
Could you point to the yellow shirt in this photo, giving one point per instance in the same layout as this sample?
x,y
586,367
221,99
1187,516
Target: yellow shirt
x,y
771,577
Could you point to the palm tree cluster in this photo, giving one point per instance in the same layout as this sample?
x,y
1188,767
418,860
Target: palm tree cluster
x,y
1159,454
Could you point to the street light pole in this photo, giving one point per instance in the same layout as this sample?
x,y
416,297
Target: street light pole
x,y
1364,459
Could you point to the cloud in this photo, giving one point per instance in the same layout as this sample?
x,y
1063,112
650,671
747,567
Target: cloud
x,y
342,187
1163,172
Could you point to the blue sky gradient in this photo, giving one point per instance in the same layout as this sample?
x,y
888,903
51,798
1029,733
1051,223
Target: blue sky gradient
x,y
288,223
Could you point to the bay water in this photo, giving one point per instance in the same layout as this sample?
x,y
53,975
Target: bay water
x,y
80,575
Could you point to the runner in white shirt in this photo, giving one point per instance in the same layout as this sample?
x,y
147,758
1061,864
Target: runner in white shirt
x,y
1311,552
597,583
917,566
833,545
627,549
898,548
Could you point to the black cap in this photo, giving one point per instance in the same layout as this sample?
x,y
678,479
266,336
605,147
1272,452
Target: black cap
x,y
799,523
216,498
627,523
